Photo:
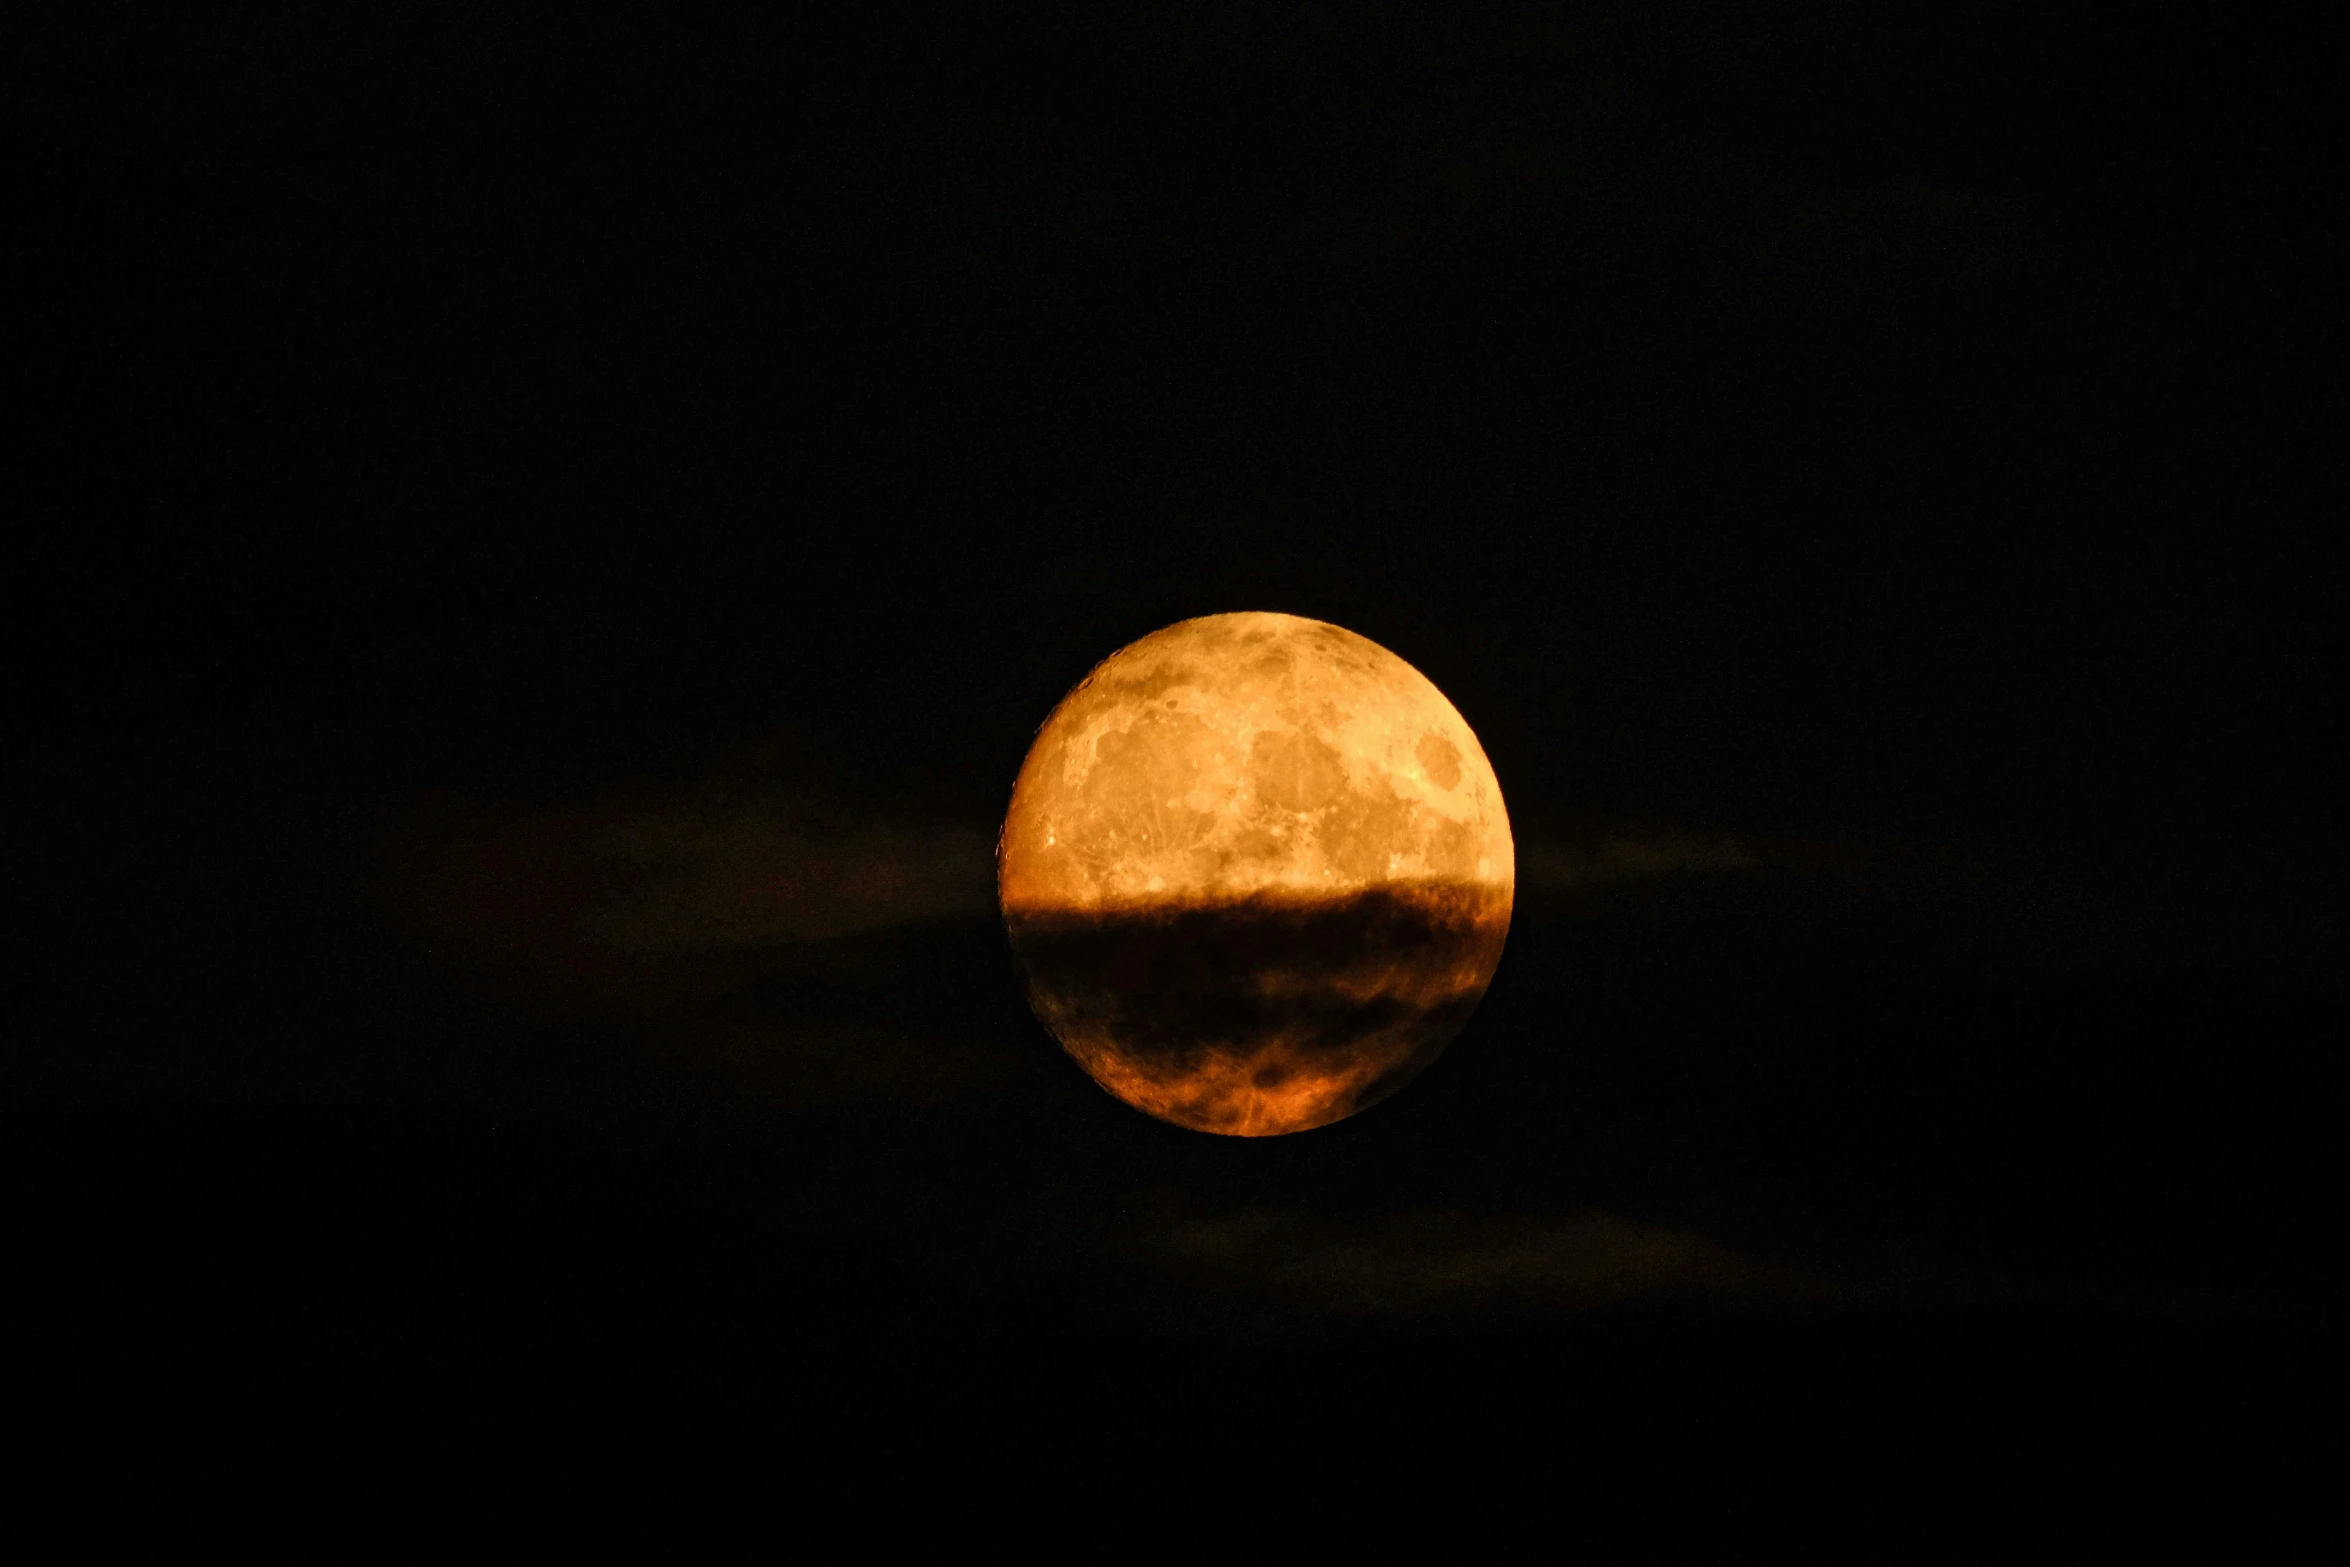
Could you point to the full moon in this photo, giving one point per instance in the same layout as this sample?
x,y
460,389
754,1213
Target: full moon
x,y
1256,873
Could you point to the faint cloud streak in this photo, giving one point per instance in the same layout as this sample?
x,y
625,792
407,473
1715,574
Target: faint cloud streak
x,y
615,882
1550,862
770,943
1434,1261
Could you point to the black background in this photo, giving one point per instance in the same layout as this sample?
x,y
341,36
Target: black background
x,y
1896,435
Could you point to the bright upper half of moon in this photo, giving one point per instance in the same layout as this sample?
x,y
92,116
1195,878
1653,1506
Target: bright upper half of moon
x,y
1244,754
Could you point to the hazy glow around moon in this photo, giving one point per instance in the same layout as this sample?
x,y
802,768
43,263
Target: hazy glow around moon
x,y
1257,872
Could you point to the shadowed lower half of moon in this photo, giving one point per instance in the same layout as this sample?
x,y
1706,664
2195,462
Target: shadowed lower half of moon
x,y
1269,1013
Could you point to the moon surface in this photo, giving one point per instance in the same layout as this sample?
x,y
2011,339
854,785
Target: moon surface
x,y
1256,873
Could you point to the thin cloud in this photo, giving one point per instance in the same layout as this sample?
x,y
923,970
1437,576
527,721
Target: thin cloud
x,y
1436,1261
763,943
1665,871
1549,862
605,888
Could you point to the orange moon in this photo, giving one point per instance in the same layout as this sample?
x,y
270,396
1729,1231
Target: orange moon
x,y
1256,873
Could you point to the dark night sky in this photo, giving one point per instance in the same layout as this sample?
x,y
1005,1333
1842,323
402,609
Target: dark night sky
x,y
549,530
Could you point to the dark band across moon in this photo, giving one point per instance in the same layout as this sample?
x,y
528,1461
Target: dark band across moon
x,y
1268,1013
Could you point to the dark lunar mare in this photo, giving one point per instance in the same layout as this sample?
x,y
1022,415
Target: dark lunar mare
x,y
1377,981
